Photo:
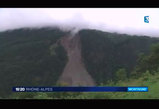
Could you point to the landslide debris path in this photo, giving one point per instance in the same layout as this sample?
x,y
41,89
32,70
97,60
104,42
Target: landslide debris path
x,y
74,73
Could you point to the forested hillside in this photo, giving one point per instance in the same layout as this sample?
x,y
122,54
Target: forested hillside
x,y
30,58
105,53
35,57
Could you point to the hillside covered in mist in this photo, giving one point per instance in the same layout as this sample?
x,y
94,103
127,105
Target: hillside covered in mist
x,y
36,57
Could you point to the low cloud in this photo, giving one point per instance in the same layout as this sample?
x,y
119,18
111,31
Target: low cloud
x,y
127,21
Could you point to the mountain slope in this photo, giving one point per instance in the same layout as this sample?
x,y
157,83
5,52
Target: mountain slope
x,y
105,53
42,57
30,58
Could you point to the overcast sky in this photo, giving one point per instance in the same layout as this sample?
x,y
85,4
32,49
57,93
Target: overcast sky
x,y
120,20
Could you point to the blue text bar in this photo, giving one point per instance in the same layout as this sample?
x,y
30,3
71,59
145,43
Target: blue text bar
x,y
79,89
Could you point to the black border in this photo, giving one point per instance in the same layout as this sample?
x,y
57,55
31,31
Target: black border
x,y
108,103
80,3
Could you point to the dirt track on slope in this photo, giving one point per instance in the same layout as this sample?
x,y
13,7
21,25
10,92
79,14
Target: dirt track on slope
x,y
74,73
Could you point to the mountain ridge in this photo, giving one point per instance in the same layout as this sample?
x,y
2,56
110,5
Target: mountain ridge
x,y
37,58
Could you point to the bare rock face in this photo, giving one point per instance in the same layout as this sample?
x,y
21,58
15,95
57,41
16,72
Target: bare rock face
x,y
74,73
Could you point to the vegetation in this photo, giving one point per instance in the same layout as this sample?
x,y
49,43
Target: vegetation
x,y
34,57
120,75
149,62
30,57
104,53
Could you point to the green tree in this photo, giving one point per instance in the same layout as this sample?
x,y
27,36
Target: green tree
x,y
121,75
149,62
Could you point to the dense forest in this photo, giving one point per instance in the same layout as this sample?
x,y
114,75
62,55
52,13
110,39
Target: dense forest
x,y
30,57
34,57
105,53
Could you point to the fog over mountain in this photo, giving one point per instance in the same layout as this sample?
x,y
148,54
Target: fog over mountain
x,y
120,20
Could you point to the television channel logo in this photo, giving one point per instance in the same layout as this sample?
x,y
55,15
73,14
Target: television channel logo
x,y
146,19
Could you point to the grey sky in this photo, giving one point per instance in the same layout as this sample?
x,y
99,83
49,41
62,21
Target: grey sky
x,y
121,20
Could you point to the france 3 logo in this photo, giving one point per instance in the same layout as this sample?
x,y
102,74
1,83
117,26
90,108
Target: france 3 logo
x,y
146,19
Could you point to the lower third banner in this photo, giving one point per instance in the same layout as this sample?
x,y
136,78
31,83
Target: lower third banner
x,y
80,89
